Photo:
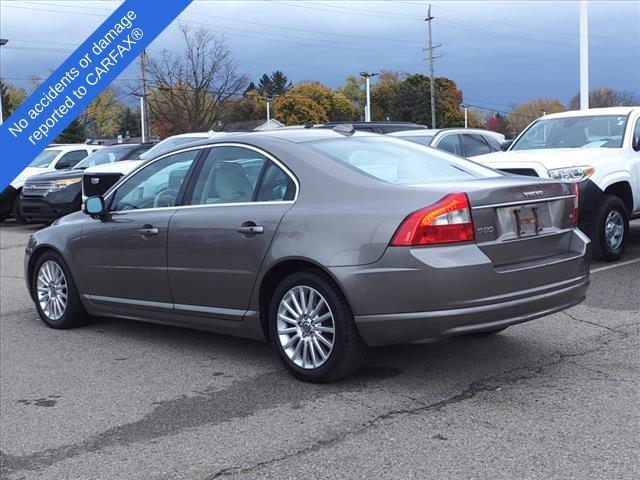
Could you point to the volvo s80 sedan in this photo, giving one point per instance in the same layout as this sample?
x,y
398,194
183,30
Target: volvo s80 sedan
x,y
321,241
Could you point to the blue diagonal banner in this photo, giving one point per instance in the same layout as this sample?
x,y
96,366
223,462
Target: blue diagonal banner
x,y
80,79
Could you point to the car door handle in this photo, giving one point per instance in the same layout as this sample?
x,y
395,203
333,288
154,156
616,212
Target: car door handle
x,y
148,231
250,229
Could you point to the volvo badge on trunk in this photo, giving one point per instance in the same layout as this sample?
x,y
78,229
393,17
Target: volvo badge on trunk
x,y
533,194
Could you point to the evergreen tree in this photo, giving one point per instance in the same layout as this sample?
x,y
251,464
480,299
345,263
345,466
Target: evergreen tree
x,y
74,133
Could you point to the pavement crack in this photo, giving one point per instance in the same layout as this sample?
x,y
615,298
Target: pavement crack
x,y
593,323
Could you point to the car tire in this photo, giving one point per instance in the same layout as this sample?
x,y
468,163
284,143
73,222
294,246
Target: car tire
x,y
610,229
318,354
17,216
486,333
51,273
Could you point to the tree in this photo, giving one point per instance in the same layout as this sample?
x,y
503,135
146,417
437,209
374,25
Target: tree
x,y
498,123
526,113
74,133
12,97
192,88
293,110
354,90
475,119
332,106
383,93
103,117
412,101
606,97
130,125
274,85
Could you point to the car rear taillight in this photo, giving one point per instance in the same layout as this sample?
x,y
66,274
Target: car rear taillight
x,y
576,198
446,221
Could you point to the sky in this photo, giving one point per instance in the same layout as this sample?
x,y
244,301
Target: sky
x,y
500,53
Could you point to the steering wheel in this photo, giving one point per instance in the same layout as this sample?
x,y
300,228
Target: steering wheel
x,y
166,198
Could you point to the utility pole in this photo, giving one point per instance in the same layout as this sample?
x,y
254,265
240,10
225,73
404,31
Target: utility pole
x,y
584,55
367,108
432,57
3,41
143,98
466,118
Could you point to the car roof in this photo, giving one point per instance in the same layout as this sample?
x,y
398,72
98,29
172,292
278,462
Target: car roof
x,y
434,131
593,112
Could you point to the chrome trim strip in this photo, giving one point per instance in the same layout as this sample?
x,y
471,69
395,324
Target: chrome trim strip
x,y
522,202
128,301
116,185
184,207
227,312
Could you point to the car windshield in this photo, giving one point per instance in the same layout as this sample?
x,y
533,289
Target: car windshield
x,y
396,161
106,155
168,144
596,131
45,158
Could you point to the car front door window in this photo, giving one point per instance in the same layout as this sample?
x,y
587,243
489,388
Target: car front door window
x,y
155,186
474,145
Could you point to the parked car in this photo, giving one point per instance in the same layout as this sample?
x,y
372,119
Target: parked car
x,y
375,127
342,241
97,180
55,157
599,151
464,142
51,195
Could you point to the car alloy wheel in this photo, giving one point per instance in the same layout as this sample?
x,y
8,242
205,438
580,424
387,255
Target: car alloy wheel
x,y
52,290
306,327
614,229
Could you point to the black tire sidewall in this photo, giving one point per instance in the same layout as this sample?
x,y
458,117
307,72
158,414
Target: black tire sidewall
x,y
601,248
74,313
342,317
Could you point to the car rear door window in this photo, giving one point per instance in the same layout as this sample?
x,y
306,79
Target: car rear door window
x,y
275,185
474,145
450,143
228,175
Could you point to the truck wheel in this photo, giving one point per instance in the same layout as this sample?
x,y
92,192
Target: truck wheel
x,y
16,211
610,229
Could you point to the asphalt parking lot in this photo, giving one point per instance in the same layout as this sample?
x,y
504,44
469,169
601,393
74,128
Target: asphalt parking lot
x,y
553,398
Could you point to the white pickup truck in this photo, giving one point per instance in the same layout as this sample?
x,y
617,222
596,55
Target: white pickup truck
x,y
599,149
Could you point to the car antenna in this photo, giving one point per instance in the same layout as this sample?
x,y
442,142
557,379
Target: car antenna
x,y
344,129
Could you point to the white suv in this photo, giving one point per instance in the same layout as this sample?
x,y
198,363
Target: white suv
x,y
599,149
54,157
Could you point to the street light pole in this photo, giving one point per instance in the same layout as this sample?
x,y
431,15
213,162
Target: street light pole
x,y
3,41
367,108
584,55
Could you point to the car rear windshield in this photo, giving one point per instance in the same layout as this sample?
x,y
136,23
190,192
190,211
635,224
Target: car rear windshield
x,y
592,131
400,162
106,155
45,158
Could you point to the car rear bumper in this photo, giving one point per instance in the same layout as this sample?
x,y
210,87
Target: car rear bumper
x,y
417,295
416,327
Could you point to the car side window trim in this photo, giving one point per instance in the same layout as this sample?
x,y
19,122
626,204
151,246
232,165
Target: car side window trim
x,y
201,157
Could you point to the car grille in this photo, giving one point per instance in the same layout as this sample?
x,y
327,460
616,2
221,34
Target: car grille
x,y
36,189
98,184
528,172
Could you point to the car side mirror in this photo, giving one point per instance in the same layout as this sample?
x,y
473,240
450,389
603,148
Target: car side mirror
x,y
635,144
63,165
95,207
504,146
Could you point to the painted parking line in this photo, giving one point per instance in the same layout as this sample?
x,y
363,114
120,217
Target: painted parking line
x,y
615,265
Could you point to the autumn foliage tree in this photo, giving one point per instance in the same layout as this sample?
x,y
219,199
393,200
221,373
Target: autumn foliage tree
x,y
312,102
527,112
104,116
498,123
